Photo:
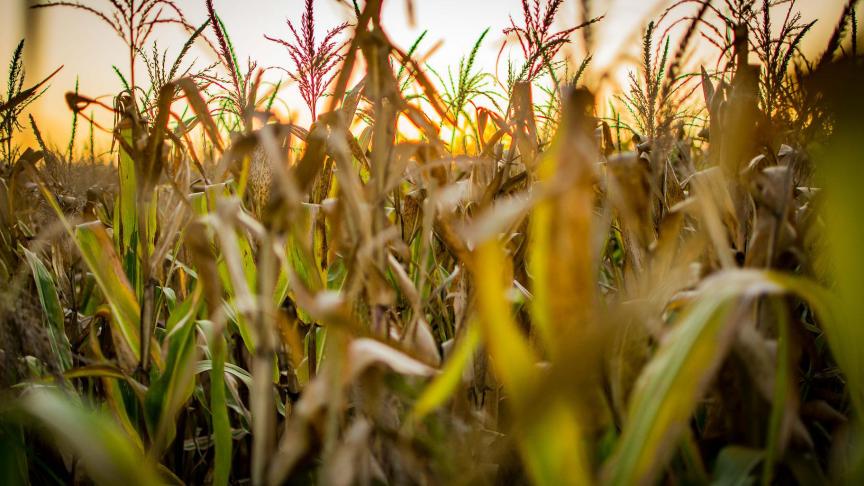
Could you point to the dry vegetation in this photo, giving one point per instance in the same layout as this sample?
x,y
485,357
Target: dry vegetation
x,y
523,292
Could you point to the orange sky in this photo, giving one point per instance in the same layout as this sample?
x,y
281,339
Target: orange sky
x,y
88,48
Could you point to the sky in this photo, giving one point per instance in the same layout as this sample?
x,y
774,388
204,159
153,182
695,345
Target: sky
x,y
88,48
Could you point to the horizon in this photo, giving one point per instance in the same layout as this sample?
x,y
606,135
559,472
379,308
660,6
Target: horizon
x,y
450,37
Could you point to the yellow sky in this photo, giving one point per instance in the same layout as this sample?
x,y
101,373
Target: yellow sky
x,y
88,48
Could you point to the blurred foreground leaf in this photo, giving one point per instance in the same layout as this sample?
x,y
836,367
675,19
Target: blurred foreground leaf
x,y
105,451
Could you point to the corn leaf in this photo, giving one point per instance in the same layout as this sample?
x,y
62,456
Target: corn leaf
x,y
53,310
219,408
445,385
127,214
172,389
104,450
735,465
550,439
98,253
671,385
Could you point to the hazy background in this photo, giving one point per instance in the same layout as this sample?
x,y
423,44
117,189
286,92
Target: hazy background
x,y
88,48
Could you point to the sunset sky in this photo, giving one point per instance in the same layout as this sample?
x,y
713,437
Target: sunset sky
x,y
88,48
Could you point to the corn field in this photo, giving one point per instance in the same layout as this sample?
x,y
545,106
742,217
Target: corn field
x,y
451,276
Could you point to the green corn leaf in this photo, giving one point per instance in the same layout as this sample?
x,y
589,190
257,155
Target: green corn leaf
x,y
53,310
127,215
672,383
185,311
105,371
230,368
781,391
841,161
169,296
219,408
237,318
99,255
171,390
114,398
14,462
106,453
735,465
668,390
446,384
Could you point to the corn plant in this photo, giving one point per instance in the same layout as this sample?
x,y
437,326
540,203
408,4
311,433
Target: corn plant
x,y
537,41
16,101
552,304
133,21
461,91
314,62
